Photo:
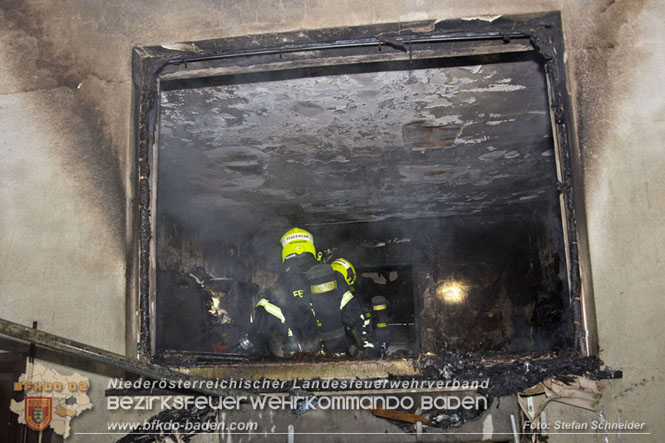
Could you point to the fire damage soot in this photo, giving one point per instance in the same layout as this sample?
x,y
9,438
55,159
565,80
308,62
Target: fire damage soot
x,y
486,376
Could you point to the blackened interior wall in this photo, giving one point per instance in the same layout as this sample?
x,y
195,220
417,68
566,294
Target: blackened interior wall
x,y
512,267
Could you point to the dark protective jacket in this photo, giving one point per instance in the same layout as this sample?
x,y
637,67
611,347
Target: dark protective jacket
x,y
283,318
310,308
340,317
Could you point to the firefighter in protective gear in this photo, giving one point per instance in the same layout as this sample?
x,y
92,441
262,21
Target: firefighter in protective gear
x,y
297,243
340,318
355,316
284,321
346,269
309,309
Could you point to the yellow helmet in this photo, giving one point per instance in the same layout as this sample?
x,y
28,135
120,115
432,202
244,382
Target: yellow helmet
x,y
344,267
297,241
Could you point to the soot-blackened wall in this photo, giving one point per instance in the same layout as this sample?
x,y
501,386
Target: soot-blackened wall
x,y
510,271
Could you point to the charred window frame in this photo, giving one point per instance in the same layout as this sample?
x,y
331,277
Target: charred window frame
x,y
458,41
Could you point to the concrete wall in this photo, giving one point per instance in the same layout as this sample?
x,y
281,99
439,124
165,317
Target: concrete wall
x,y
66,162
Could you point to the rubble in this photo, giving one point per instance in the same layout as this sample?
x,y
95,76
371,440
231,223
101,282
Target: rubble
x,y
497,374
508,373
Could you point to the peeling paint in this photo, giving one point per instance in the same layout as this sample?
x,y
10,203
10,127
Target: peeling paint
x,y
485,18
498,122
494,155
497,88
431,173
353,130
474,69
184,47
471,140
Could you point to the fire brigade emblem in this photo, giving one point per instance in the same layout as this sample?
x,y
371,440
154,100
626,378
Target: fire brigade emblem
x,y
38,412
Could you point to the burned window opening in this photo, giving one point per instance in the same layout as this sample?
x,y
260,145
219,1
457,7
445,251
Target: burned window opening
x,y
544,45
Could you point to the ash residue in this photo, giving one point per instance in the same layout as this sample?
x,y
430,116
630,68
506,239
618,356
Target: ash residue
x,y
496,375
507,374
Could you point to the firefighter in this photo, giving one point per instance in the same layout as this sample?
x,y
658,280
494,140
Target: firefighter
x,y
346,270
284,320
354,315
309,309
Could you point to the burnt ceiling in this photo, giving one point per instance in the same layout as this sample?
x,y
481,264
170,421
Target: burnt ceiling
x,y
362,146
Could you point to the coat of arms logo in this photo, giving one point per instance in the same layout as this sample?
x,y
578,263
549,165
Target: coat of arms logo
x,y
38,412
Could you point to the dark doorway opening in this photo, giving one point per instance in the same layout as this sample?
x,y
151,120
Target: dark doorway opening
x,y
395,287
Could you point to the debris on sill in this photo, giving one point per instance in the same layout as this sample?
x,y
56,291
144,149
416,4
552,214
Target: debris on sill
x,y
503,374
580,392
507,373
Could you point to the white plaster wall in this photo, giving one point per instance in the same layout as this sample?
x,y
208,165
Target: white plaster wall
x,y
625,194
